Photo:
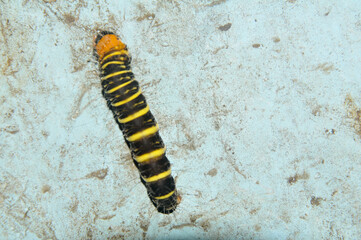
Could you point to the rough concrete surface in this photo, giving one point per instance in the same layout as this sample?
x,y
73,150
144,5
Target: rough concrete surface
x,y
258,102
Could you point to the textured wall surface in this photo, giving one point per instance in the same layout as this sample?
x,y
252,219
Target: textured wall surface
x,y
258,102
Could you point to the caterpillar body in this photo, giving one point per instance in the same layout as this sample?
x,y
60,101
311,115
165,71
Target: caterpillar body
x,y
140,129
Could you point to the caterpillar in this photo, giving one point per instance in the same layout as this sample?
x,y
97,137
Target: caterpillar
x,y
138,125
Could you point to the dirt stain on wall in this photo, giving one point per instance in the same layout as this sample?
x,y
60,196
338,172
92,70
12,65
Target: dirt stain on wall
x,y
293,179
353,114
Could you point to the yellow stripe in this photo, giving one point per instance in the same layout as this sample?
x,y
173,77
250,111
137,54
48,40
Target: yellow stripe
x,y
113,54
165,196
134,115
132,89
119,87
148,156
117,104
158,177
115,74
139,104
113,62
142,134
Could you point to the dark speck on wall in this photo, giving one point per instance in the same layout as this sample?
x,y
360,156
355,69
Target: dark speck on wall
x,y
225,27
316,201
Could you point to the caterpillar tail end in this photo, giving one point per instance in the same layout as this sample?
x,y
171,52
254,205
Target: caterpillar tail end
x,y
168,205
106,41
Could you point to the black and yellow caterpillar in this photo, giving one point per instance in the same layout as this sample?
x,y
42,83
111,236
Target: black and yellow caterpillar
x,y
130,110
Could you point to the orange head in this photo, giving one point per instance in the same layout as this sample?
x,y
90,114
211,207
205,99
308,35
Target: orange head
x,y
106,41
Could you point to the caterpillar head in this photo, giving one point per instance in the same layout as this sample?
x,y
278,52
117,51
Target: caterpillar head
x,y
106,41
